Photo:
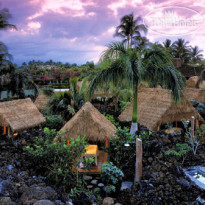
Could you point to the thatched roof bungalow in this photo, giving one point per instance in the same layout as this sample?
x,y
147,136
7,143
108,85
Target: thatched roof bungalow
x,y
41,101
90,122
191,82
156,107
195,94
20,114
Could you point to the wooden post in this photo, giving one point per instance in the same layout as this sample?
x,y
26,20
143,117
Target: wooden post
x,y
138,166
192,126
197,124
9,132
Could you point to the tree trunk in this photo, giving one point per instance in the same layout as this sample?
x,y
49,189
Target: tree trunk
x,y
131,42
128,40
134,126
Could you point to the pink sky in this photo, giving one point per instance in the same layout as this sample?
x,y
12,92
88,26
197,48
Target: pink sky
x,y
77,31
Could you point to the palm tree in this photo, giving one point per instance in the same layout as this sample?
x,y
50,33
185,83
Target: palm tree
x,y
4,16
60,104
181,50
131,65
195,54
167,44
142,42
77,95
130,28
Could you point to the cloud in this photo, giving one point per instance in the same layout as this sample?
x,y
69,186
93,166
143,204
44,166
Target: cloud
x,y
77,30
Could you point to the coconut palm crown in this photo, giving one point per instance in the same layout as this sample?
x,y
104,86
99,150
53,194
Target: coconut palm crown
x,y
130,28
130,66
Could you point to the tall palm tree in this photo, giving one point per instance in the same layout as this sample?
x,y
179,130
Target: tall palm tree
x,y
128,64
167,43
181,50
4,16
195,54
129,28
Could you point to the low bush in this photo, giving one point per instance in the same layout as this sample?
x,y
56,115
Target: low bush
x,y
201,133
54,122
119,153
56,159
111,175
180,151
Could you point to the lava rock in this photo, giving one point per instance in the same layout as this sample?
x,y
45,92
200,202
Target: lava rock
x,y
36,192
94,182
4,186
44,202
101,185
108,201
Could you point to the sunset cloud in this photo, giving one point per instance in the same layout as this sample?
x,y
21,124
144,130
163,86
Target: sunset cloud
x,y
76,31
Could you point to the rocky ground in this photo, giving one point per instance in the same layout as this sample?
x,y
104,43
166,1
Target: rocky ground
x,y
163,180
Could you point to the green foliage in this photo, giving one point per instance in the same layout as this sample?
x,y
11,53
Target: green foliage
x,y
112,120
201,133
88,163
78,95
110,173
76,191
180,151
194,141
123,105
119,153
145,136
54,122
59,104
48,91
55,159
110,188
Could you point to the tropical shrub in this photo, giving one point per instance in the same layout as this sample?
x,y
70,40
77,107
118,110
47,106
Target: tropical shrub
x,y
54,122
112,120
111,175
119,153
48,91
56,159
180,151
194,141
145,136
201,133
60,104
123,105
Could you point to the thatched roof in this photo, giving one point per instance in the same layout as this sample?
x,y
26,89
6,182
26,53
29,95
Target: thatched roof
x,y
41,101
20,114
90,122
195,94
156,107
191,82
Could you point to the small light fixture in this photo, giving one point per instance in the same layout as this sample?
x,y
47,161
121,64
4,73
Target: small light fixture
x,y
126,144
